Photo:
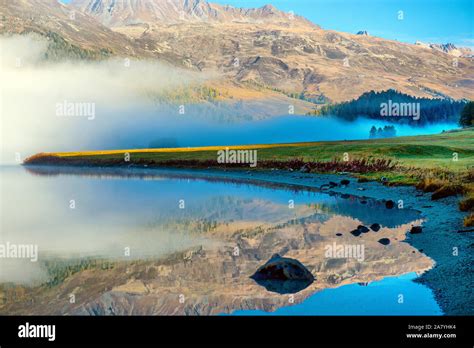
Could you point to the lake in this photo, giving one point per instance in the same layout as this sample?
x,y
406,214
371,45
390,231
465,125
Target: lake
x,y
126,129
137,241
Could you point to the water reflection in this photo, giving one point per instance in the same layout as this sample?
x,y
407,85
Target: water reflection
x,y
193,241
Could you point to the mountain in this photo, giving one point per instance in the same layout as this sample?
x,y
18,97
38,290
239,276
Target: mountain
x,y
75,32
451,49
448,48
268,49
117,13
259,54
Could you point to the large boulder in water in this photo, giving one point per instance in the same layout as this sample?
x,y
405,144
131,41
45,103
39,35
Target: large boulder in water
x,y
283,268
283,275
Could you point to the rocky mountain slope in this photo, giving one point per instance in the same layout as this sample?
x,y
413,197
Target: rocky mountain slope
x,y
124,12
253,52
270,49
65,26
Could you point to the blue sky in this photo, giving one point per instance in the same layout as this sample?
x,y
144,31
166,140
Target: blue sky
x,y
438,21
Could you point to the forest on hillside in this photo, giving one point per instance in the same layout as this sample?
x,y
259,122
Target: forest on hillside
x,y
373,105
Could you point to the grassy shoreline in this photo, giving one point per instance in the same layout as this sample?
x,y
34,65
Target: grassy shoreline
x,y
442,164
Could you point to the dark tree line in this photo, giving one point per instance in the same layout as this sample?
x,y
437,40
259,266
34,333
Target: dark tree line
x,y
467,115
370,105
59,49
385,132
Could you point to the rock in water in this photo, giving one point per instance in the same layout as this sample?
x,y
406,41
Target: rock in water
x,y
283,275
375,227
389,204
356,233
416,230
362,229
345,182
283,268
305,169
384,241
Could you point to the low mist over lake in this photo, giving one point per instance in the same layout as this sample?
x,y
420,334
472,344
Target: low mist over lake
x,y
284,129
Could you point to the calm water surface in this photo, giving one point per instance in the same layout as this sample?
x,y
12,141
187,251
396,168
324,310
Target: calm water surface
x,y
169,233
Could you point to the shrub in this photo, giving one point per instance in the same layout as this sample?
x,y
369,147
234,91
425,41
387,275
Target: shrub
x,y
446,191
469,220
467,204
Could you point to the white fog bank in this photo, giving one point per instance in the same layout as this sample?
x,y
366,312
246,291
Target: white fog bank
x,y
47,106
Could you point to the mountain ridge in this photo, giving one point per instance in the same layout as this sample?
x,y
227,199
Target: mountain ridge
x,y
114,13
448,48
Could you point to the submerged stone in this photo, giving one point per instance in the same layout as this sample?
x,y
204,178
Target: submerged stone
x,y
389,204
416,230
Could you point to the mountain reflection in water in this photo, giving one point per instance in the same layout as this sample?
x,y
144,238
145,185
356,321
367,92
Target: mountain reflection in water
x,y
193,241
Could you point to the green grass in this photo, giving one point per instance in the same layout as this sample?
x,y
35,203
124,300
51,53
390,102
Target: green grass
x,y
430,152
